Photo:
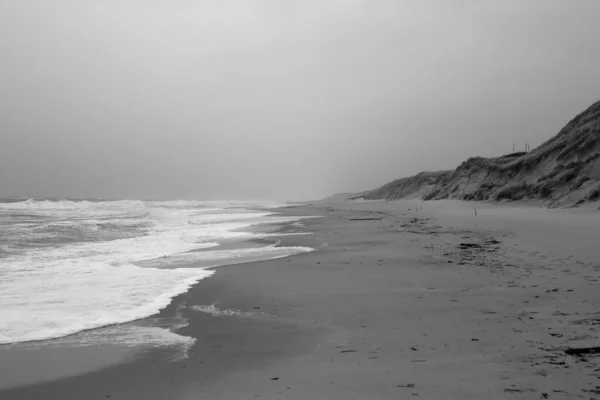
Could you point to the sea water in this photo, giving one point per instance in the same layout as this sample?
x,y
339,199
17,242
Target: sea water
x,y
71,266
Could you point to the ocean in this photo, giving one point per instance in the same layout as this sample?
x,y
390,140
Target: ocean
x,y
68,267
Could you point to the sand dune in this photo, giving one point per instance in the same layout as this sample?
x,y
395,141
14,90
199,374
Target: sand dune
x,y
564,171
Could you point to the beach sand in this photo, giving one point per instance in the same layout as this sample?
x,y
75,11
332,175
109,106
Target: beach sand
x,y
396,303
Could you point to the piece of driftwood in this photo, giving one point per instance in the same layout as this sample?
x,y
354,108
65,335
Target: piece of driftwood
x,y
582,351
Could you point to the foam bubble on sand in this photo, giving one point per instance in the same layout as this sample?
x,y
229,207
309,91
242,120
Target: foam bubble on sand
x,y
216,312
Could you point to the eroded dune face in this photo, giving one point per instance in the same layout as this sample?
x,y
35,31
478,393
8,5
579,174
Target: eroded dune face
x,y
563,171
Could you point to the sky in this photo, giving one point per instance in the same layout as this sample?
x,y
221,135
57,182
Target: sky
x,y
279,99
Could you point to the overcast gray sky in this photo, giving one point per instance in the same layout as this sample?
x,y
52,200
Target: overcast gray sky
x,y
281,99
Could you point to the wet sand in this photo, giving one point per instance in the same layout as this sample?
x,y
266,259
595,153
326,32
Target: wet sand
x,y
439,304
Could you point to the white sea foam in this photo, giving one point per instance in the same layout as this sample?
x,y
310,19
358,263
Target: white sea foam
x,y
67,285
43,303
137,335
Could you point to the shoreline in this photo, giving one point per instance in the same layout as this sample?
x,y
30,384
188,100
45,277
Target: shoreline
x,y
106,355
436,303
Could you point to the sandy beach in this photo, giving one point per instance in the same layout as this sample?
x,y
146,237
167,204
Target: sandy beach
x,y
299,200
397,302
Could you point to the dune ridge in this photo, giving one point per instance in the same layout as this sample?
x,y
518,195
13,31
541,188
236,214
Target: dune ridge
x,y
563,171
